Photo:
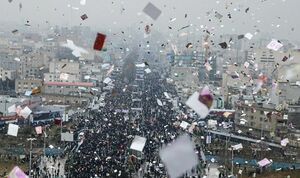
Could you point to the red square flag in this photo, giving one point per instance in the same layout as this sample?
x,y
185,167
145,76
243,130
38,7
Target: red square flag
x,y
99,42
57,121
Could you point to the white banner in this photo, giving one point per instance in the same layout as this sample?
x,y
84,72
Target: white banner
x,y
67,137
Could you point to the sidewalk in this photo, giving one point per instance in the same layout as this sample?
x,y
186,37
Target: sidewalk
x,y
213,171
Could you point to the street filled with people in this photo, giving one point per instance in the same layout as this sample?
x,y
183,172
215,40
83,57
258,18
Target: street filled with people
x,y
109,131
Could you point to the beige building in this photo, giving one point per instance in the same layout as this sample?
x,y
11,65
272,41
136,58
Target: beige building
x,y
61,77
264,120
91,68
23,85
186,80
64,66
63,71
30,65
67,88
69,100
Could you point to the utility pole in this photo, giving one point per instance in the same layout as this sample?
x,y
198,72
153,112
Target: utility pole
x,y
30,154
45,135
232,161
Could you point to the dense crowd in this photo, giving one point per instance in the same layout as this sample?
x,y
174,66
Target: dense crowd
x,y
108,133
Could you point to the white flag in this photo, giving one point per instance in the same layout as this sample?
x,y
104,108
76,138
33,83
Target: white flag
x,y
13,130
274,45
11,109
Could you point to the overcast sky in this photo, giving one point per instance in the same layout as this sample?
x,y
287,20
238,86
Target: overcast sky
x,y
276,17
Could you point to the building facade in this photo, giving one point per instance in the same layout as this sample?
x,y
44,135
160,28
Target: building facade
x,y
260,120
7,74
67,88
23,85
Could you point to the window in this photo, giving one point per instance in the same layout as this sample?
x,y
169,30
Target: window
x,y
261,119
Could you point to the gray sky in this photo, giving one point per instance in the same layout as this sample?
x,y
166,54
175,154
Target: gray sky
x,y
103,14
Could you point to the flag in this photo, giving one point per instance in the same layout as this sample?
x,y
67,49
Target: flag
x,y
11,109
99,41
201,102
18,110
159,102
184,125
248,36
17,173
28,93
205,97
264,162
35,90
84,16
208,139
67,137
63,76
284,142
82,2
57,121
274,45
147,29
152,11
25,112
13,130
179,156
39,130
237,147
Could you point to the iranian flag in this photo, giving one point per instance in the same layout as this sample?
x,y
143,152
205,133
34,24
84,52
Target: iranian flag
x,y
57,120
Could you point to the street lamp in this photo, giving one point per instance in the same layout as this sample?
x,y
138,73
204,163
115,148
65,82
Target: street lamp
x,y
30,154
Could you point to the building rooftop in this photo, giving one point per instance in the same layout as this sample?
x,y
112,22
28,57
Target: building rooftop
x,y
84,84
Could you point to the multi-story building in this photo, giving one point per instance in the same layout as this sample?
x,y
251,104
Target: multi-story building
x,y
262,120
7,61
63,71
67,88
23,85
30,65
64,66
61,77
91,68
186,80
71,93
277,64
7,73
293,116
288,92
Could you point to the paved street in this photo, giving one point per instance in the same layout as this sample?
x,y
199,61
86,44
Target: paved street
x,y
53,167
212,171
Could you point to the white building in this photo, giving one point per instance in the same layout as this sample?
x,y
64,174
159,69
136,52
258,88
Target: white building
x,y
61,77
7,74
